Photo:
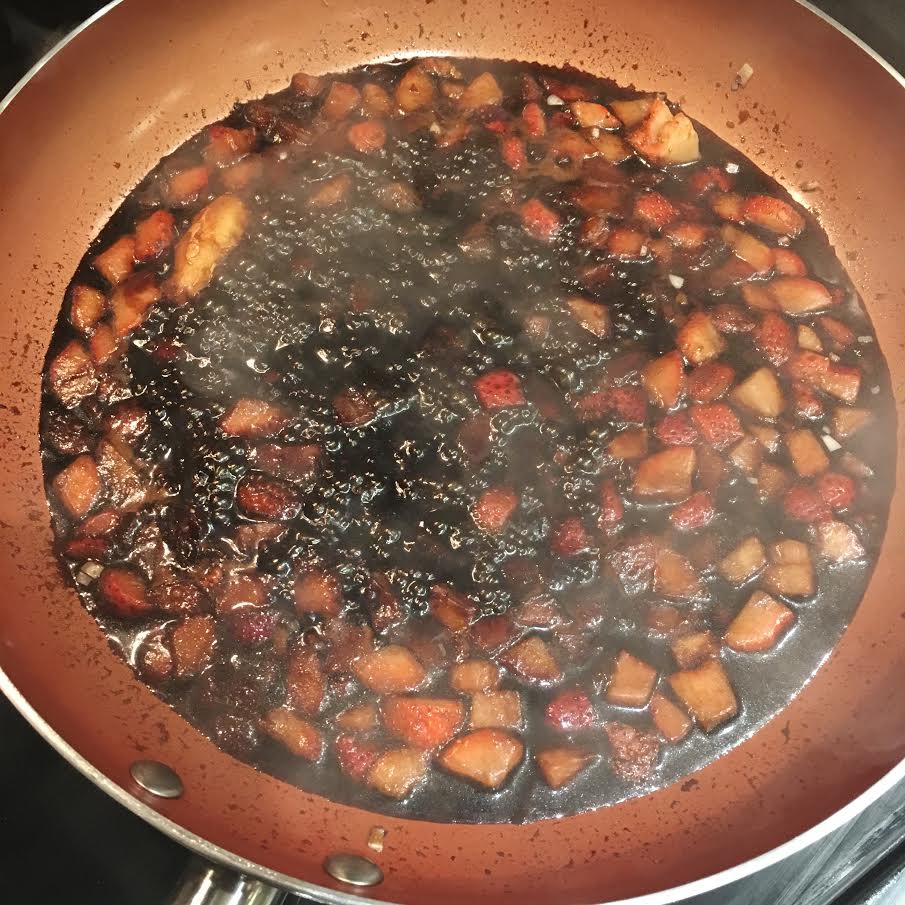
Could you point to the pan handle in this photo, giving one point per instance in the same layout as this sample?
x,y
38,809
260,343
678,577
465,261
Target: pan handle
x,y
205,883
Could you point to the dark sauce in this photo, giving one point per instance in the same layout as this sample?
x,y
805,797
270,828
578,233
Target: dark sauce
x,y
397,294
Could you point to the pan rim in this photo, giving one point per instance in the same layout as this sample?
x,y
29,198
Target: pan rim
x,y
324,894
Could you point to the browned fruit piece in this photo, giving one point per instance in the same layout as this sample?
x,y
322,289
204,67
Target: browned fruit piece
x,y
117,261
594,317
790,572
808,454
484,756
675,577
192,642
837,542
348,641
665,138
117,467
799,295
760,393
473,676
664,379
389,670
693,649
633,752
317,591
532,659
130,302
356,756
154,235
632,563
671,721
86,307
375,100
154,659
71,375
354,408
226,145
242,175
629,445
341,100
773,214
482,91
307,85
707,693
848,421
493,509
539,612
297,735
292,463
239,590
396,772
423,722
359,718
632,681
500,709
452,610
559,766
252,418
699,340
414,90
759,624
588,115
666,474
367,137
261,497
186,186
305,684
747,559
103,344
123,593
179,596
78,487
748,248
330,192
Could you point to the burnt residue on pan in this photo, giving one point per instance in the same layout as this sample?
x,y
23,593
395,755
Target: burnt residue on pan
x,y
310,304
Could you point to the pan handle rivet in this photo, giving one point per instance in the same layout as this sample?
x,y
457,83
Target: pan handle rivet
x,y
353,869
157,778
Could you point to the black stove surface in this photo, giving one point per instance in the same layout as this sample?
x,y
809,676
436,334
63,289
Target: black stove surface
x,y
63,840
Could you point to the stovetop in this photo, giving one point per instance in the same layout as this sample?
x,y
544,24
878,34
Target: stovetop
x,y
63,840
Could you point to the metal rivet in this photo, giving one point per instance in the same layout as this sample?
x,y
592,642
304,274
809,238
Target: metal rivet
x,y
353,869
157,778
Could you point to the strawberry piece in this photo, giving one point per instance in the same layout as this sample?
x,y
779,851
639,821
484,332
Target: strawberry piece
x,y
297,735
707,178
426,723
788,263
355,756
124,593
717,423
499,389
512,150
654,209
695,513
570,538
254,418
836,490
535,123
341,100
226,145
775,338
154,235
806,404
633,752
251,626
676,429
491,633
628,403
493,509
570,710
266,498
804,503
367,137
95,548
612,508
539,221
710,381
773,214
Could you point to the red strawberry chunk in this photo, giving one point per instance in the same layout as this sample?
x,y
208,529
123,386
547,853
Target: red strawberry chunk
x,y
717,424
628,404
654,209
512,149
676,429
539,221
533,116
570,538
695,513
710,381
251,626
804,503
499,389
355,756
709,178
153,235
570,710
611,506
493,509
836,490
775,338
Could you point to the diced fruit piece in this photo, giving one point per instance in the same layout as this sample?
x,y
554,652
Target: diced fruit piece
x,y
306,85
837,542
71,376
603,201
253,418
534,119
839,337
154,659
710,381
297,735
772,481
676,429
355,756
570,710
773,214
632,112
116,262
358,718
790,572
593,317
451,609
539,221
78,487
559,766
533,659
751,250
242,175
706,178
474,676
499,389
808,455
341,100
251,627
383,606
631,682
699,340
588,115
664,138
330,192
717,424
305,684
687,236
654,209
837,490
759,624
808,338
226,145
788,263
396,772
694,649
760,393
354,407
290,462
347,642
494,508
611,506
390,670
666,474
664,379
316,591
671,721
768,437
674,576
124,593
627,244
632,563
804,503
500,709
539,612
423,722
367,137
775,339
629,445
192,642
695,513
375,100
186,186
746,560
570,538
262,497
848,421
707,693
154,235
799,295
747,455
130,302
491,633
512,150
103,344
86,307
728,206
213,233
484,756
633,752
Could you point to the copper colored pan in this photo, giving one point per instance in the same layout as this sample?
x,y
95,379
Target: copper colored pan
x,y
145,75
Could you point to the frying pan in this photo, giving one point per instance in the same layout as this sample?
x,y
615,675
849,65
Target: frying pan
x,y
140,78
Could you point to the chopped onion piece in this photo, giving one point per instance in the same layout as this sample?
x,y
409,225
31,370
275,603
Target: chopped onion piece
x,y
595,132
732,168
743,76
831,443
875,390
675,281
810,186
865,340
554,100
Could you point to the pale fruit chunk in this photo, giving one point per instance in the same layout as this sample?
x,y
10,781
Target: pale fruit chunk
x,y
632,112
837,542
699,340
397,771
414,90
117,261
790,572
748,248
78,487
86,308
768,437
808,338
773,214
483,91
254,418
675,577
595,318
629,445
799,295
667,474
695,648
533,659
848,421
588,115
297,735
664,138
707,693
746,560
632,681
772,481
71,375
560,766
359,718
759,624
758,297
390,670
193,643
213,233
808,454
747,455
423,722
664,379
473,676
760,393
612,148
498,709
451,609
671,721
484,756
